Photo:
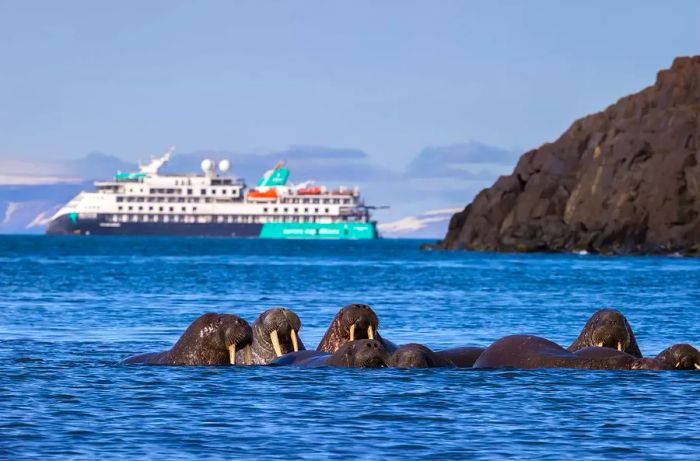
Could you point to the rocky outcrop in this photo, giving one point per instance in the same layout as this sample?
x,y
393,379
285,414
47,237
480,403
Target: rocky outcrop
x,y
622,181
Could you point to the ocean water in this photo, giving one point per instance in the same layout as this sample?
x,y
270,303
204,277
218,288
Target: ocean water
x,y
72,307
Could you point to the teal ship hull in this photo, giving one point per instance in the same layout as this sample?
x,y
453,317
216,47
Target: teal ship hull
x,y
343,230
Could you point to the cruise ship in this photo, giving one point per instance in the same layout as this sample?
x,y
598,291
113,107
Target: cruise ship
x,y
214,204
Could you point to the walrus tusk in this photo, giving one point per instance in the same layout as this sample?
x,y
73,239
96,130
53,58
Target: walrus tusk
x,y
232,353
295,343
677,365
697,367
370,333
276,343
601,344
248,355
619,346
352,332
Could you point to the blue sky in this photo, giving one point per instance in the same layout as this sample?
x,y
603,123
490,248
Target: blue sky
x,y
388,78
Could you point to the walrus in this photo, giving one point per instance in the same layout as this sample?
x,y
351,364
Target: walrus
x,y
525,351
275,333
607,328
461,357
680,357
211,339
417,356
352,322
361,353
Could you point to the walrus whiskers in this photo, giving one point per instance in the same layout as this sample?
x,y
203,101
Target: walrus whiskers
x,y
232,354
352,332
370,333
276,343
295,343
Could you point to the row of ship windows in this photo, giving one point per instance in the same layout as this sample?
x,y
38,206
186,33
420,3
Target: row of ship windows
x,y
222,191
335,201
194,208
206,218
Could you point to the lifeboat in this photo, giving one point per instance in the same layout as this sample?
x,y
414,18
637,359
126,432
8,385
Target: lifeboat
x,y
270,194
316,190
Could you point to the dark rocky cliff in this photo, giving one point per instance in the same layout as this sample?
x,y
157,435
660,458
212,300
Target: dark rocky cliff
x,y
625,181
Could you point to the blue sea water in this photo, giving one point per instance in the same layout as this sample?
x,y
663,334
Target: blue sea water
x,y
72,307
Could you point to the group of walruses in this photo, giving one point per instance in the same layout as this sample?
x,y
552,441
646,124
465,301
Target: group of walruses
x,y
353,340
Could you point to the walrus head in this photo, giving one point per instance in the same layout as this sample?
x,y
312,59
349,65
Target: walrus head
x,y
414,356
607,328
362,353
211,337
276,330
680,357
352,322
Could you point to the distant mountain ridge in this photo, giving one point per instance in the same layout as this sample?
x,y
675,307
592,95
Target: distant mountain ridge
x,y
625,181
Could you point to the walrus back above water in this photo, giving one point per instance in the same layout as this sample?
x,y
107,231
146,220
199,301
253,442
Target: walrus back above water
x,y
525,351
362,353
211,339
417,356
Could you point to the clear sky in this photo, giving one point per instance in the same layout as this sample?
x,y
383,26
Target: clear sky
x,y
387,77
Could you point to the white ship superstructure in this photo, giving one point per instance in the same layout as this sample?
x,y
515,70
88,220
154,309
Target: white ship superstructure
x,y
214,204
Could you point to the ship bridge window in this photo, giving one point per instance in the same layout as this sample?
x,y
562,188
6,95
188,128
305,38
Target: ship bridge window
x,y
204,192
189,191
120,199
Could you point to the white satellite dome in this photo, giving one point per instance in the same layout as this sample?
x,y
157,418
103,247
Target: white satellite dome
x,y
207,165
224,166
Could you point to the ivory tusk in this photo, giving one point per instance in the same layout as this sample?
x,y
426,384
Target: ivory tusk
x,y
352,332
601,344
697,367
370,333
232,353
619,346
678,365
295,343
248,355
276,343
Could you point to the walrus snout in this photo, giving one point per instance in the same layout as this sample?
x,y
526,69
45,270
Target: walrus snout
x,y
607,328
358,321
281,327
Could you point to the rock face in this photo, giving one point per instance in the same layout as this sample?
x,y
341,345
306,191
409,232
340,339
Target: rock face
x,y
622,181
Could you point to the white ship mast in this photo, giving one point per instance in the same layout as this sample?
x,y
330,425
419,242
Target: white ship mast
x,y
156,162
